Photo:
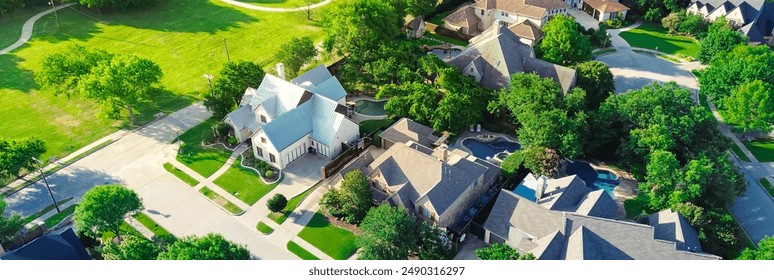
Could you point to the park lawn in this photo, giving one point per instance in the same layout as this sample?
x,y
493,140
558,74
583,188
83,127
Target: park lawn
x,y
336,242
149,223
763,150
11,25
369,126
203,160
222,201
264,228
293,202
281,3
738,152
301,252
59,217
185,38
180,174
654,37
767,185
244,184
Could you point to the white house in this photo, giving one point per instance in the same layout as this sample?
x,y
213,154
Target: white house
x,y
284,120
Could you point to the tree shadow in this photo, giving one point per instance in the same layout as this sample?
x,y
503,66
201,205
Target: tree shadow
x,y
71,181
12,77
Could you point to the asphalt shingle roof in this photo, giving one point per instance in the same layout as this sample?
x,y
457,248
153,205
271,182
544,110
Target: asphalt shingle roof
x,y
59,245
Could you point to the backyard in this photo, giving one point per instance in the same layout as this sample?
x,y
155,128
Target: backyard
x,y
653,36
332,240
763,150
244,184
177,34
281,3
203,160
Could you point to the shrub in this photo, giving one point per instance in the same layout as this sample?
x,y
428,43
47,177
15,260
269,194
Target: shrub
x,y
207,137
232,141
277,203
653,15
268,174
222,129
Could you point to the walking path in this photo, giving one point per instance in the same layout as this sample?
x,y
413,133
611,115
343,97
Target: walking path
x,y
276,10
28,26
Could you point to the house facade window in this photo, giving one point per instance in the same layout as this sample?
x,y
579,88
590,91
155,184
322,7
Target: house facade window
x,y
259,151
263,140
482,12
272,159
263,119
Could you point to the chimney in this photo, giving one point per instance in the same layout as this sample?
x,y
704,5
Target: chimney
x,y
281,70
444,152
542,184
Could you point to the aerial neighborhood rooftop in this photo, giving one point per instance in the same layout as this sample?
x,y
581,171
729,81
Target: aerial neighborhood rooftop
x,y
387,130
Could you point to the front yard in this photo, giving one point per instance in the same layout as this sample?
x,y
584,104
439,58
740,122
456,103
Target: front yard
x,y
332,240
763,150
244,184
293,202
204,160
655,37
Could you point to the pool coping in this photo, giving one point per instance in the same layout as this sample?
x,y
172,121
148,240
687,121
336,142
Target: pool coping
x,y
468,134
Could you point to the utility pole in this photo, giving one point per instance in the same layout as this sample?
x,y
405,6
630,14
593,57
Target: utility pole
x,y
56,15
226,45
43,174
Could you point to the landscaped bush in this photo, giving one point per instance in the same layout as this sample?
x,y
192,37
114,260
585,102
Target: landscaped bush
x,y
268,174
222,129
232,141
207,137
277,203
614,23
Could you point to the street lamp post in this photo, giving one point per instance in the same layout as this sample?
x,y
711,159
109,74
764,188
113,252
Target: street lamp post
x,y
209,79
53,6
43,174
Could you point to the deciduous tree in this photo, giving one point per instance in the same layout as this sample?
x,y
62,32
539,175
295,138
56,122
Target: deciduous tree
x,y
751,106
352,200
728,71
388,234
9,225
103,208
501,252
209,247
130,248
296,53
277,203
562,44
720,39
765,250
230,85
18,154
595,78
356,26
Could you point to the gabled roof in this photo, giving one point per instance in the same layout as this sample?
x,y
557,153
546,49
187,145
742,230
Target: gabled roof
x,y
320,81
405,130
463,17
498,53
606,6
530,8
748,12
671,226
59,245
570,194
597,204
415,23
527,29
751,31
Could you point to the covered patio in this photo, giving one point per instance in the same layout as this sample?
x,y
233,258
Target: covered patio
x,y
602,10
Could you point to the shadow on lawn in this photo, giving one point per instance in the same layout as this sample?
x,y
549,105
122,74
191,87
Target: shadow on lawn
x,y
14,78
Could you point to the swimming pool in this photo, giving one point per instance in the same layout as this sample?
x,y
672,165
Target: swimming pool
x,y
595,179
487,150
371,108
444,53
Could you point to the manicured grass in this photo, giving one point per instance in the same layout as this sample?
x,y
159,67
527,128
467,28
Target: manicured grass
x,y
373,125
301,252
653,36
58,217
203,160
185,38
767,185
149,223
49,208
244,184
264,228
180,174
332,240
280,3
438,19
763,150
293,202
447,39
635,207
223,202
11,25
125,228
738,152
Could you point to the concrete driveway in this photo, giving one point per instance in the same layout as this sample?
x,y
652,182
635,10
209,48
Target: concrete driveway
x,y
583,18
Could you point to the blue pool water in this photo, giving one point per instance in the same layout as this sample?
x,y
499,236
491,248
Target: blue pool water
x,y
595,179
525,192
486,150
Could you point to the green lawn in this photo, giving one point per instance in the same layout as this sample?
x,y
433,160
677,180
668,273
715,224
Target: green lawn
x,y
332,240
124,229
767,185
11,25
280,3
203,160
180,174
223,202
447,39
149,223
244,184
58,217
438,19
763,150
635,207
264,228
185,37
739,152
653,36
293,202
373,125
300,251
49,208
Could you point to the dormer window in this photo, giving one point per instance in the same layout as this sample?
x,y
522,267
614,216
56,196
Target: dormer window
x,y
263,119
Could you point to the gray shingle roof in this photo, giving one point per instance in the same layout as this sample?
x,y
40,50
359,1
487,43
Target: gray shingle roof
x,y
671,226
503,54
598,204
59,245
463,17
405,130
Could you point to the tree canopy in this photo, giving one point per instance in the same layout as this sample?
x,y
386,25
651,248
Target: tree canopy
x,y
103,208
355,26
388,234
751,106
17,155
9,225
296,53
277,203
501,252
352,200
728,71
118,4
209,247
229,86
721,38
562,44
131,248
595,78
765,250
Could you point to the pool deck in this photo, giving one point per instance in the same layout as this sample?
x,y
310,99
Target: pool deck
x,y
358,117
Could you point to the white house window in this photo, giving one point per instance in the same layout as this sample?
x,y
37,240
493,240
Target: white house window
x,y
263,119
263,140
259,151
482,12
272,159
